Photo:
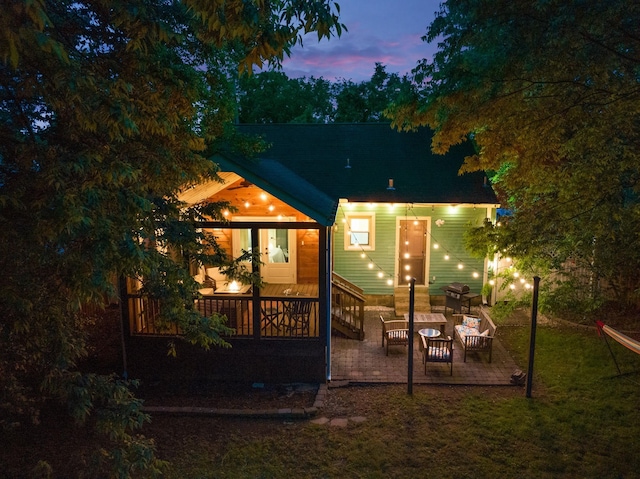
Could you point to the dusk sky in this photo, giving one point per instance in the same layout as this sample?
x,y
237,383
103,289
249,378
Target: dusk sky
x,y
385,31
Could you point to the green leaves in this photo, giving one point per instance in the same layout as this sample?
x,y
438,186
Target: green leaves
x,y
108,110
271,97
549,92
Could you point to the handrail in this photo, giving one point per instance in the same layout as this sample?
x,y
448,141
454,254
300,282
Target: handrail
x,y
347,307
347,286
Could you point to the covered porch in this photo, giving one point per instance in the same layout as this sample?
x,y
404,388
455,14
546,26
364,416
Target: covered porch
x,y
366,361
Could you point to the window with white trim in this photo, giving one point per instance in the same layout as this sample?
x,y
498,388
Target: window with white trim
x,y
359,231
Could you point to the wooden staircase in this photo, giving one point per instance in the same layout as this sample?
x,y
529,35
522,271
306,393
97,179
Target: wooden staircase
x,y
347,308
401,300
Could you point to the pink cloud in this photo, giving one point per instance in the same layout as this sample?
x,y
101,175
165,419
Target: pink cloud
x,y
378,31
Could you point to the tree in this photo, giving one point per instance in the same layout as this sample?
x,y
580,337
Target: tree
x,y
108,109
366,101
549,93
272,97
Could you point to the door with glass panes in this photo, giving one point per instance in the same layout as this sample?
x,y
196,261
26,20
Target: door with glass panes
x,y
277,253
413,251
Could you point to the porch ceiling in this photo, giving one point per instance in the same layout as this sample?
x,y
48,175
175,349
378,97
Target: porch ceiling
x,y
201,192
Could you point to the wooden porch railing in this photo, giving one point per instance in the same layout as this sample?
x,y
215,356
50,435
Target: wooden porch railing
x,y
347,307
280,317
292,317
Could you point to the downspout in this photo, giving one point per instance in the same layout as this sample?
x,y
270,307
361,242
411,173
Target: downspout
x,y
328,262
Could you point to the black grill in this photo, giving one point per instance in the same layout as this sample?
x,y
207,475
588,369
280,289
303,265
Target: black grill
x,y
455,295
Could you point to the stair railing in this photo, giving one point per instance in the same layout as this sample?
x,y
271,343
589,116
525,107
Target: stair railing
x,y
347,306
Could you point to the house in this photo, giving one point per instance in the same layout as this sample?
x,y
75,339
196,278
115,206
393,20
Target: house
x,y
343,214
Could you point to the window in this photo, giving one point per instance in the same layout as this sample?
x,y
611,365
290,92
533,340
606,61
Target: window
x,y
359,232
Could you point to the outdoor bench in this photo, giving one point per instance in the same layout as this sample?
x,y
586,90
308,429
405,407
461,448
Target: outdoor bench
x,y
475,333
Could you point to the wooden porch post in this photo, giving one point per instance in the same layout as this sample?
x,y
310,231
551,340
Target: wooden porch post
x,y
257,312
324,293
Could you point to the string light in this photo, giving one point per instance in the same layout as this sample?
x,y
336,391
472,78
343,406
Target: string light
x,y
436,245
363,254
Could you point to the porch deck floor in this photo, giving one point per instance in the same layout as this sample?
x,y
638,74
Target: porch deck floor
x,y
366,361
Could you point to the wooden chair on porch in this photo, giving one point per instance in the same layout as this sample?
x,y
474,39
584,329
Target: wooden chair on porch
x,y
437,350
296,317
394,332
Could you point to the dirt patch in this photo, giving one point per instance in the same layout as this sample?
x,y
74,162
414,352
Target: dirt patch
x,y
237,396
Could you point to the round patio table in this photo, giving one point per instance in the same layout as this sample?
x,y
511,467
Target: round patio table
x,y
429,333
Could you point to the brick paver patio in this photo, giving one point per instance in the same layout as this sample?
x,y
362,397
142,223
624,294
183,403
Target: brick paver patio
x,y
366,362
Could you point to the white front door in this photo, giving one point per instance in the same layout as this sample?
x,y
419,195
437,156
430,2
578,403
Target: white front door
x,y
278,248
277,252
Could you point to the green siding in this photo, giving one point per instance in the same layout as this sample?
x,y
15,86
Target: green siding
x,y
449,236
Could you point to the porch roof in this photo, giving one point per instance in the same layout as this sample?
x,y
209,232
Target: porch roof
x,y
280,181
357,161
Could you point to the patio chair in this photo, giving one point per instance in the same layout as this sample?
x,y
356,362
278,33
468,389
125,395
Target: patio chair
x,y
394,332
271,317
437,350
296,317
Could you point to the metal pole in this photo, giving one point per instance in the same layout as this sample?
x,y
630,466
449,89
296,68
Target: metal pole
x,y
532,341
412,296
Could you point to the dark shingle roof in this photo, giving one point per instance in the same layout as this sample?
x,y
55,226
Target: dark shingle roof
x,y
306,166
375,153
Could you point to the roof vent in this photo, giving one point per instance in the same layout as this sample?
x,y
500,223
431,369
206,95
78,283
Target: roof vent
x,y
348,165
390,187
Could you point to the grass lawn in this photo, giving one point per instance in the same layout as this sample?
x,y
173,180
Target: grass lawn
x,y
581,422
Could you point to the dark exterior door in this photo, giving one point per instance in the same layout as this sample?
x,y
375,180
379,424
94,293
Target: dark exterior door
x,y
412,250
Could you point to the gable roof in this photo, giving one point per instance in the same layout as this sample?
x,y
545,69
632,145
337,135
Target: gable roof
x,y
275,178
355,161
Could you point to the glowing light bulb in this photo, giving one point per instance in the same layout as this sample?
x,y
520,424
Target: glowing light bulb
x,y
406,255
436,246
475,274
380,274
492,282
362,255
460,266
512,286
390,282
446,256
